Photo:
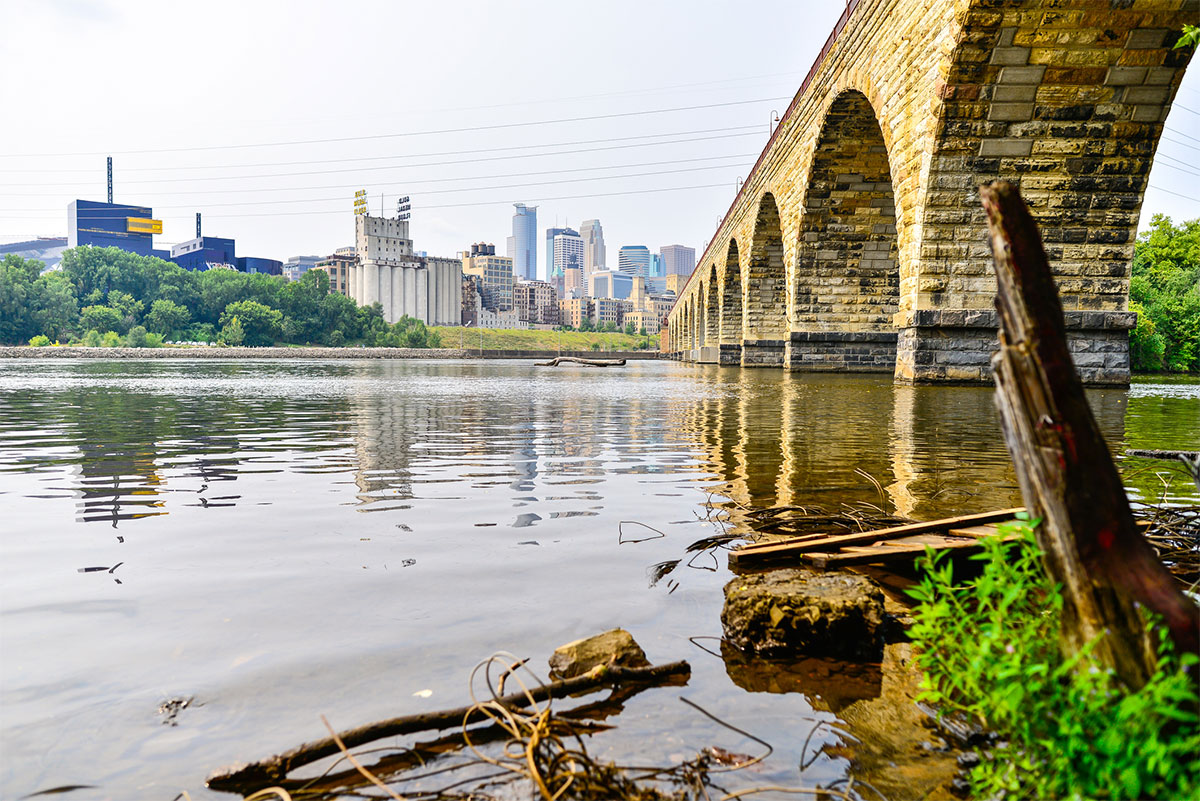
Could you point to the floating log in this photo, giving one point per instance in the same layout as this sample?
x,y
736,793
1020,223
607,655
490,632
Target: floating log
x,y
555,362
1066,474
245,778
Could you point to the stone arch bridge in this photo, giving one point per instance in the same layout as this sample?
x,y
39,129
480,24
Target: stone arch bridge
x,y
858,242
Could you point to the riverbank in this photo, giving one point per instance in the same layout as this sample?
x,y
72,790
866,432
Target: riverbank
x,y
75,352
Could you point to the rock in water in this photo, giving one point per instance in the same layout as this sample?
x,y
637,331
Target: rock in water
x,y
796,611
616,647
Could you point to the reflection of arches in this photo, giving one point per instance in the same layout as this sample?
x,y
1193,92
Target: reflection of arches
x,y
712,309
731,298
846,274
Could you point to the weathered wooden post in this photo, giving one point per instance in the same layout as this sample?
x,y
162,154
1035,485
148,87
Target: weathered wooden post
x,y
1066,473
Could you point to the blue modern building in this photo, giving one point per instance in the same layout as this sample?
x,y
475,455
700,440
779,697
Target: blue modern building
x,y
132,228
205,252
117,225
253,264
635,260
524,238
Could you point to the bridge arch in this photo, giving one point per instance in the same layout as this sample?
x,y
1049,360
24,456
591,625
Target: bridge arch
x,y
765,289
712,308
846,282
732,324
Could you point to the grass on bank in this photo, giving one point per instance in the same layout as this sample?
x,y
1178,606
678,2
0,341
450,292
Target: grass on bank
x,y
521,339
989,648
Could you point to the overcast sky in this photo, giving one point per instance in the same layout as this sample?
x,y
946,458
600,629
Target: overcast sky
x,y
198,103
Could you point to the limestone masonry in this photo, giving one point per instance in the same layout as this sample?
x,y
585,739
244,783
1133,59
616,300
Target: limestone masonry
x,y
858,242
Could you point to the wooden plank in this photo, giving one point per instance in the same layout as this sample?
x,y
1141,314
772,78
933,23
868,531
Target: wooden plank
x,y
978,532
880,555
795,546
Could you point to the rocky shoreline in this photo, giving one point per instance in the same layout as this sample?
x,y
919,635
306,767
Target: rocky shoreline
x,y
73,352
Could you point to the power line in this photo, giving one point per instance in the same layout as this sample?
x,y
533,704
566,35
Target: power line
x,y
1185,108
376,168
409,182
438,132
1181,133
747,128
92,214
454,205
1176,194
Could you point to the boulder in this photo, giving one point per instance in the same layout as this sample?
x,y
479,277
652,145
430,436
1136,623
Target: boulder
x,y
785,613
616,647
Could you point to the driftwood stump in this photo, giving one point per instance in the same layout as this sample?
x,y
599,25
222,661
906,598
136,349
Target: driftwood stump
x,y
1067,476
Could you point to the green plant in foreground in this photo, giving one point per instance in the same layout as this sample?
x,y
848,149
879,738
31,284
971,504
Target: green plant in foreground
x,y
989,648
40,341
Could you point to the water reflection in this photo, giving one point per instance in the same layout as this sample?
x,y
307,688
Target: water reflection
x,y
295,538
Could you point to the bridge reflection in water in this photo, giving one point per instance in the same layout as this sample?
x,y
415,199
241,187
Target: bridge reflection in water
x,y
779,438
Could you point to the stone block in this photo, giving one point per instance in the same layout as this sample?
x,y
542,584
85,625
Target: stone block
x,y
800,611
1010,111
1010,55
1022,75
1006,147
1146,94
1146,39
1125,76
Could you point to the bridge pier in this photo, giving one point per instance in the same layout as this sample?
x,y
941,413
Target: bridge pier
x,y
956,346
763,352
730,355
841,351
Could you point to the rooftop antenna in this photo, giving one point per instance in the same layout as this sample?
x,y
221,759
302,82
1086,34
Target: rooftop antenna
x,y
197,225
110,180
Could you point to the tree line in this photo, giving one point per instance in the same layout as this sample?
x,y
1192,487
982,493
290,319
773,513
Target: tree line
x,y
1165,292
107,296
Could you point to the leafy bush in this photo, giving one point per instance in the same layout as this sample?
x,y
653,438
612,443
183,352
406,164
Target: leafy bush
x,y
337,338
40,341
92,339
261,325
989,648
136,338
111,339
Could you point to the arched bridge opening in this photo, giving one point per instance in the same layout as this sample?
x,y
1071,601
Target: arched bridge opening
x,y
847,278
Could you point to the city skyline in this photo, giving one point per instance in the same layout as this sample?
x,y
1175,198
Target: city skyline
x,y
606,139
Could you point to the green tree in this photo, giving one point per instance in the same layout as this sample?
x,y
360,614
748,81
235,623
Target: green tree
x,y
232,334
166,316
262,325
17,277
92,339
111,339
1165,285
39,341
100,318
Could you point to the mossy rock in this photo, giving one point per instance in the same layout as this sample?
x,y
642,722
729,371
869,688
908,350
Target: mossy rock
x,y
793,612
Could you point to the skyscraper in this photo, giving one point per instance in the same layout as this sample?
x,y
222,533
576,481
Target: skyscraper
x,y
593,247
552,269
678,260
634,259
568,253
524,241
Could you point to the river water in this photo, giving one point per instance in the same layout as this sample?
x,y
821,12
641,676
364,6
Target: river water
x,y
279,540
